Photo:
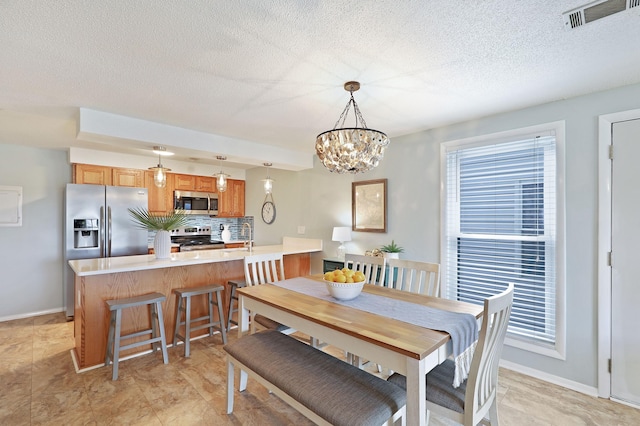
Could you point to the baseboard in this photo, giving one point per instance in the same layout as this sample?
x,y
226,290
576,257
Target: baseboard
x,y
627,403
31,314
560,381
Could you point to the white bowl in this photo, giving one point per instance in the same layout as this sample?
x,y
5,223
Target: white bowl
x,y
344,291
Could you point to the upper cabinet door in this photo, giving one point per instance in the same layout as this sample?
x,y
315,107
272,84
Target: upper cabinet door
x,y
238,198
205,184
184,182
160,199
128,177
90,174
231,201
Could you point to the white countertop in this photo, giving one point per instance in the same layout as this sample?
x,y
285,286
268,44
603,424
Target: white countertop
x,y
109,265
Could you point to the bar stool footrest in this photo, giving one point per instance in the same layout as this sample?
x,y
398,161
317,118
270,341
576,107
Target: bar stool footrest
x,y
144,342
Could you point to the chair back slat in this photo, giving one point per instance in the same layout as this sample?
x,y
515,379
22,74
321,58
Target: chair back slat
x,y
414,276
263,268
483,375
373,267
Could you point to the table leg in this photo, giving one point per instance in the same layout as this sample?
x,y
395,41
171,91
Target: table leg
x,y
416,392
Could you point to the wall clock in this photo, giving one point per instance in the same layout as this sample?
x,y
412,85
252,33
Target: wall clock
x,y
268,210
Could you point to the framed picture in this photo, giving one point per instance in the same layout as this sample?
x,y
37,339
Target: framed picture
x,y
369,205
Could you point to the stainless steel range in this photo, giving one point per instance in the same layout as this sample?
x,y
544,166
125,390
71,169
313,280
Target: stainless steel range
x,y
195,238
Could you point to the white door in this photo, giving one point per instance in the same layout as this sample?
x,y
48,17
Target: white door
x,y
625,279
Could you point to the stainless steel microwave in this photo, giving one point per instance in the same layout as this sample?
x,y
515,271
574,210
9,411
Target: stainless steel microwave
x,y
196,202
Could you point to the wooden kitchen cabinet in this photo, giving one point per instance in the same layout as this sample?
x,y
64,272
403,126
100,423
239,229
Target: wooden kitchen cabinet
x,y
231,202
173,250
194,183
233,245
205,184
160,199
127,177
92,175
184,182
104,175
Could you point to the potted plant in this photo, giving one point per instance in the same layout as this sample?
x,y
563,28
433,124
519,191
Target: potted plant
x,y
161,224
391,251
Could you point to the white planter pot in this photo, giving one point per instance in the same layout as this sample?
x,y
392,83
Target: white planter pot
x,y
162,245
391,255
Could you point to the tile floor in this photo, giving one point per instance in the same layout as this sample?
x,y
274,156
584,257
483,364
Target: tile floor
x,y
39,386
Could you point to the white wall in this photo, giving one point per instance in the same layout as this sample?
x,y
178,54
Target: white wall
x,y
31,255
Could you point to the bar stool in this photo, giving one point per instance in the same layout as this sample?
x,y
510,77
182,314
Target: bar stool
x,y
184,306
114,344
232,296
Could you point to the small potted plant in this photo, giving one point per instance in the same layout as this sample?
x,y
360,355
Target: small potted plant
x,y
391,251
161,224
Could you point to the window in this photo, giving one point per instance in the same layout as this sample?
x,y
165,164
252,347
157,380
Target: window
x,y
501,225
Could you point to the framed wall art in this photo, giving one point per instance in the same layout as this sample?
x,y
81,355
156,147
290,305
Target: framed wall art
x,y
369,205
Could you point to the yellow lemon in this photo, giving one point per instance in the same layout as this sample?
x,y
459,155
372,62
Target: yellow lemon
x,y
358,277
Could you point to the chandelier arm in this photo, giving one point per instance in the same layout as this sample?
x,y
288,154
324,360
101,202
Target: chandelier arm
x,y
343,116
359,116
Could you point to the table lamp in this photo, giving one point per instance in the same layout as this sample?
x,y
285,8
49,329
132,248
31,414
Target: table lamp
x,y
342,234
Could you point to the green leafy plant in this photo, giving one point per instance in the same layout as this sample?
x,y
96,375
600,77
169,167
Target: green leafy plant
x,y
392,248
159,222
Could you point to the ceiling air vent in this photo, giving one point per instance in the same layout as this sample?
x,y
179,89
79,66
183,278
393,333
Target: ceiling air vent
x,y
596,10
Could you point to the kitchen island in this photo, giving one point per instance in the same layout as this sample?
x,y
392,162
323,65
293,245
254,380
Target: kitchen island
x,y
98,280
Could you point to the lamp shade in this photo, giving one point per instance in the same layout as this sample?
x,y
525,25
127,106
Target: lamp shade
x,y
341,233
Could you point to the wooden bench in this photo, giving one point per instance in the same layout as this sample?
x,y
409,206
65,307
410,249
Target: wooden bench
x,y
325,389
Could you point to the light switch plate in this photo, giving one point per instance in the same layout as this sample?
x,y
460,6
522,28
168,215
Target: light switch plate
x,y
301,229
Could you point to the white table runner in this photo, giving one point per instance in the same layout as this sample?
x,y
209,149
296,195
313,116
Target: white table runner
x,y
463,328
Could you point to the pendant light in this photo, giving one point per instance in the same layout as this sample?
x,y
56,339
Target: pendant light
x,y
351,149
160,172
221,178
268,182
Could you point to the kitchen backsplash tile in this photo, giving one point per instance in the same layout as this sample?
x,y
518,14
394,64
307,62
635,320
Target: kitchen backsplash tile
x,y
216,224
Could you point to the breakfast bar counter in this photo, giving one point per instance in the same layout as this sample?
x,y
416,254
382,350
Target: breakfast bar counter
x,y
98,280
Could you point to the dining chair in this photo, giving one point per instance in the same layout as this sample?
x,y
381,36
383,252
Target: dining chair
x,y
476,397
373,267
414,276
265,269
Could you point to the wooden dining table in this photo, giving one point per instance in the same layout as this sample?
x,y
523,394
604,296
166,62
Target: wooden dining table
x,y
400,346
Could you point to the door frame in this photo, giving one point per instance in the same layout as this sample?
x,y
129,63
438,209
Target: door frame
x,y
605,123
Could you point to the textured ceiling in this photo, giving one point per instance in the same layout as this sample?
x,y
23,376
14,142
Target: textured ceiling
x,y
271,71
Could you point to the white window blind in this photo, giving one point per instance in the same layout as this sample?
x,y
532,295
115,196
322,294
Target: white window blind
x,y
501,228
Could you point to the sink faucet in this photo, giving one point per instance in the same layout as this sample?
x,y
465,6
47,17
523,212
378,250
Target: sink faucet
x,y
247,243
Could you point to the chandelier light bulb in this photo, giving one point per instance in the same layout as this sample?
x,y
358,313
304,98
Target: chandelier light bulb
x,y
160,172
221,178
221,182
268,182
160,177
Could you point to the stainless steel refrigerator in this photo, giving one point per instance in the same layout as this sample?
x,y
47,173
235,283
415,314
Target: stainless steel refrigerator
x,y
97,224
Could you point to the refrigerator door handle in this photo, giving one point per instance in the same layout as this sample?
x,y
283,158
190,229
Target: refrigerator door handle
x,y
102,232
109,227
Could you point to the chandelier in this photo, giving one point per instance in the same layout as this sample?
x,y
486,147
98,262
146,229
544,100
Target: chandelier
x,y
351,149
160,172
